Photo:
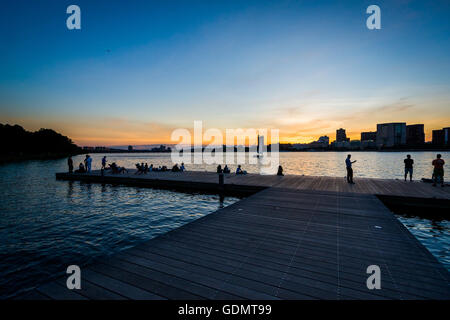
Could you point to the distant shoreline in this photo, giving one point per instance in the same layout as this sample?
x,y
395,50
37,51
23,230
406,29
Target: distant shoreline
x,y
4,159
437,149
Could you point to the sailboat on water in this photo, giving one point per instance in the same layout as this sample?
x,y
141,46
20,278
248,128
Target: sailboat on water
x,y
260,147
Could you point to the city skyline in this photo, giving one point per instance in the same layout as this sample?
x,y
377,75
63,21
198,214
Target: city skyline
x,y
356,136
134,73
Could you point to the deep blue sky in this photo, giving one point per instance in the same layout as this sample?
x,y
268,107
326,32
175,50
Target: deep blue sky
x,y
138,69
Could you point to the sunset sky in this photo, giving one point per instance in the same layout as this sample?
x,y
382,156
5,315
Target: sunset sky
x,y
139,69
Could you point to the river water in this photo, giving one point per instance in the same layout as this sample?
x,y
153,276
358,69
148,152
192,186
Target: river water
x,y
46,225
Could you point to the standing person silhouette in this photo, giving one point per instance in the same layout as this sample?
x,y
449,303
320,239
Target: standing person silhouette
x,y
348,164
408,167
70,164
104,163
438,172
88,163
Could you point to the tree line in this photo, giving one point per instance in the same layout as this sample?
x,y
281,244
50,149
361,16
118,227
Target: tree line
x,y
16,141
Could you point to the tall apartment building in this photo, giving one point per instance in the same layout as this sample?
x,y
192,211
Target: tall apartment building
x,y
341,136
415,134
391,134
369,136
441,137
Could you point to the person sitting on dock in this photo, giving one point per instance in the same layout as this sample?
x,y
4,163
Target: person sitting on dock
x,y
114,168
240,171
140,169
182,168
104,163
438,172
81,168
408,167
122,170
226,169
219,169
280,171
70,164
150,168
175,168
146,168
348,164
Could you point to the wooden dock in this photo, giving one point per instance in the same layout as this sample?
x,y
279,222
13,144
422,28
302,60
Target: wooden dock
x,y
297,238
251,183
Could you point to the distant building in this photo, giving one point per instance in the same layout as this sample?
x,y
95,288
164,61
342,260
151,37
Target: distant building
x,y
446,136
355,144
438,137
161,148
441,137
391,134
415,134
130,148
341,144
300,146
368,144
341,136
325,140
369,136
101,149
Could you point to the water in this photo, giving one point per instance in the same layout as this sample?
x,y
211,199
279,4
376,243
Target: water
x,y
432,233
46,225
385,165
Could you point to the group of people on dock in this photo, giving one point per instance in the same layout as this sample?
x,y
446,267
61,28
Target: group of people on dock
x,y
86,167
82,167
438,169
145,168
224,170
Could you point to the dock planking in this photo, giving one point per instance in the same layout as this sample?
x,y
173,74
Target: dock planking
x,y
251,183
292,240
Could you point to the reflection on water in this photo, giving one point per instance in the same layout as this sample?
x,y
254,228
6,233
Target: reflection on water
x,y
386,165
432,233
46,225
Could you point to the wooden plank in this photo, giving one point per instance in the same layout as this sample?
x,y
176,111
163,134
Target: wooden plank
x,y
59,292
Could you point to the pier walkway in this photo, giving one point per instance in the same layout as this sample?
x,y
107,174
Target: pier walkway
x,y
250,183
297,238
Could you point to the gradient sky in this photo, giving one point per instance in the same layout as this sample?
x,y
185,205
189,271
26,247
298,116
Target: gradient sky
x,y
139,69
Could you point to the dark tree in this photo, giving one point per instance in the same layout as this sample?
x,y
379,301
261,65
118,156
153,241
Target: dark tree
x,y
16,140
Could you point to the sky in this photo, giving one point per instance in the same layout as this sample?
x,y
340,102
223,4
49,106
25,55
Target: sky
x,y
137,70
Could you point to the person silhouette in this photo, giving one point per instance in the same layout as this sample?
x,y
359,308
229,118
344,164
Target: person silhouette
x,y
70,164
408,167
88,163
348,164
280,171
438,172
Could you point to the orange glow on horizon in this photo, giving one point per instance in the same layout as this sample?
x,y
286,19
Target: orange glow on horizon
x,y
93,142
123,133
